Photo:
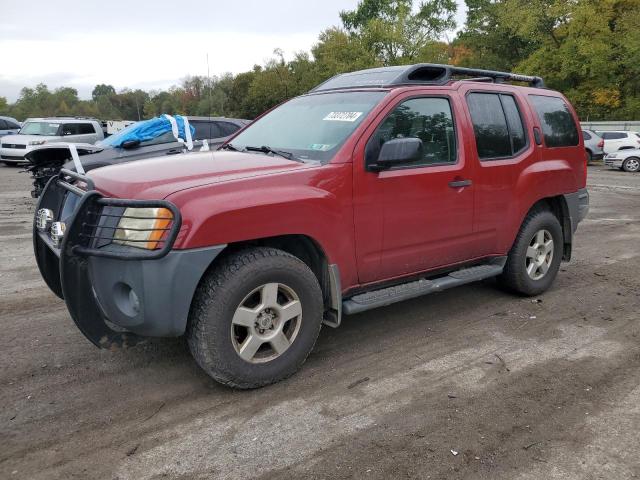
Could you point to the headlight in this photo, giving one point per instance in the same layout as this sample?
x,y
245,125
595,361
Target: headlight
x,y
143,227
612,155
37,142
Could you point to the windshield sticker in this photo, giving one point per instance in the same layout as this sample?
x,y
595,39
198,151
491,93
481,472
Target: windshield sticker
x,y
321,147
342,116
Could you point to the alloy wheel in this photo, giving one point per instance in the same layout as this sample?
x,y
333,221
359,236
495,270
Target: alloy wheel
x,y
539,255
266,323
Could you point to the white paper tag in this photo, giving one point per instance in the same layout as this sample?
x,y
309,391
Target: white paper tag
x,y
342,116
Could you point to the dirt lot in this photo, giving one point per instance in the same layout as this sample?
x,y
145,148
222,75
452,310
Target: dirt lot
x,y
523,389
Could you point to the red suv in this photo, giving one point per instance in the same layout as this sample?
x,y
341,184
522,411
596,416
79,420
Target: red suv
x,y
375,187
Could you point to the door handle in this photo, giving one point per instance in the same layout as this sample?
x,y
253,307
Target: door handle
x,y
460,183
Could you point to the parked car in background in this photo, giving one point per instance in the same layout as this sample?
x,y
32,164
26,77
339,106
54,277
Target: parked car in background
x,y
375,187
40,131
627,159
593,145
8,126
619,140
141,140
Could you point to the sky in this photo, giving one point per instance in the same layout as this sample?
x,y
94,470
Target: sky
x,y
151,44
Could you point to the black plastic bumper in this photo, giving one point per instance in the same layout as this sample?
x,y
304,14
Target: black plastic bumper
x,y
116,294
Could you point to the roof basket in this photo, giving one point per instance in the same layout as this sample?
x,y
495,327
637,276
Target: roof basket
x,y
421,74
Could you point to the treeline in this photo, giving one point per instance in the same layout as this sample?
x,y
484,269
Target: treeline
x,y
588,49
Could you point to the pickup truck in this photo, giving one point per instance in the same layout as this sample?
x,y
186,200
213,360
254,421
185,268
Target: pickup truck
x,y
375,187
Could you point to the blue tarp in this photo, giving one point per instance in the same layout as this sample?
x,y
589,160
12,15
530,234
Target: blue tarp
x,y
147,130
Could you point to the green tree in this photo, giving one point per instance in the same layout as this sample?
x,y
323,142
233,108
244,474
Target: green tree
x,y
394,31
102,90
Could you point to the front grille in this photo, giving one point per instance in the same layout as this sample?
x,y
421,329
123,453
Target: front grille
x,y
14,145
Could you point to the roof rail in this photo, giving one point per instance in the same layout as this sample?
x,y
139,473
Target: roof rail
x,y
420,74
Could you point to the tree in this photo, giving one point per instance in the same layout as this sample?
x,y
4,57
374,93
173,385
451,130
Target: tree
x,y
394,31
102,90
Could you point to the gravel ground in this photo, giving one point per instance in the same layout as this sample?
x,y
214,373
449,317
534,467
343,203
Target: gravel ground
x,y
470,383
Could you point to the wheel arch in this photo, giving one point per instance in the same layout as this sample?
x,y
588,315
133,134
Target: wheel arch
x,y
309,251
559,206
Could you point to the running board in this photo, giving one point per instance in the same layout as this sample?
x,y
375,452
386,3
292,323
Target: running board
x,y
387,296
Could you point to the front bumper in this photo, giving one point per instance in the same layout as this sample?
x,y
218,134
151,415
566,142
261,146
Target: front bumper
x,y
613,162
14,155
115,295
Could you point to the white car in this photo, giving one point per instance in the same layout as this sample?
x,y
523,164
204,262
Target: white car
x,y
626,159
619,140
38,131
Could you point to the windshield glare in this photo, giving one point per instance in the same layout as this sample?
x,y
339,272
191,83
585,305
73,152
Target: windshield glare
x,y
40,128
311,127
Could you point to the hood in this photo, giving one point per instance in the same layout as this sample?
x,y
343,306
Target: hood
x,y
160,177
25,139
58,152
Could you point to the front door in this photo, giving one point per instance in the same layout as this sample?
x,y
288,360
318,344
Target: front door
x,y
417,216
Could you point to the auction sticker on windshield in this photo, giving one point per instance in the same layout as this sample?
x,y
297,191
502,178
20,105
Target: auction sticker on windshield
x,y
342,116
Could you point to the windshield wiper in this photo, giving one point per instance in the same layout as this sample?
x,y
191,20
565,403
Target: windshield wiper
x,y
265,149
228,146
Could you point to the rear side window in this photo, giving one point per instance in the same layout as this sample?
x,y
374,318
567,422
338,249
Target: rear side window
x,y
70,129
586,135
206,130
556,120
4,125
497,125
613,135
85,128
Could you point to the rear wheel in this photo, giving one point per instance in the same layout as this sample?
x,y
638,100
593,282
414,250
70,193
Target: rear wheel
x,y
631,164
535,257
255,318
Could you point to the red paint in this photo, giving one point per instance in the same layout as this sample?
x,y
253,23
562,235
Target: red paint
x,y
375,226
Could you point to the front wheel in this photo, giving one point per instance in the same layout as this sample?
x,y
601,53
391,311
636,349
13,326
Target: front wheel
x,y
255,318
535,257
631,164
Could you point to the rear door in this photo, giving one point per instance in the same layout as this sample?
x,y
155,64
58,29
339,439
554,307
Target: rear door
x,y
501,142
418,216
613,141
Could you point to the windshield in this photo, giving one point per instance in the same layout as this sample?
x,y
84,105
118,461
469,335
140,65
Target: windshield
x,y
40,128
310,127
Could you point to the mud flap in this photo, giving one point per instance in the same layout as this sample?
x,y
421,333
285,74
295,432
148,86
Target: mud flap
x,y
78,292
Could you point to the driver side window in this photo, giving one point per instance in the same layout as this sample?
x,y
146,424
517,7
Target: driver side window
x,y
429,119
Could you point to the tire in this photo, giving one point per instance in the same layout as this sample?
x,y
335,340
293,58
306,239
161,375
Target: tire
x,y
589,156
225,304
631,164
516,275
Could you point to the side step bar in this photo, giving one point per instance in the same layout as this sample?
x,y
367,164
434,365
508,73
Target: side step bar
x,y
387,296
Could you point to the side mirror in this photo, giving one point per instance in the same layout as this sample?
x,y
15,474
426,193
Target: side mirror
x,y
130,144
398,151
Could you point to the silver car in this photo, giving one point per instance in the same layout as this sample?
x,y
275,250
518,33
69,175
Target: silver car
x,y
593,145
626,159
40,131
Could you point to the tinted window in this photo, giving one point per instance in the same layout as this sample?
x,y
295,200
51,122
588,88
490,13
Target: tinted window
x,y
514,122
228,128
586,135
70,129
85,128
556,120
166,137
429,119
489,125
613,135
206,130
13,125
4,125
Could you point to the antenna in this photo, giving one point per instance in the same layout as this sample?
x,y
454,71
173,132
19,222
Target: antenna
x,y
210,97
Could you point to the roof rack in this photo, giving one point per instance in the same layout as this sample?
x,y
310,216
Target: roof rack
x,y
420,74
